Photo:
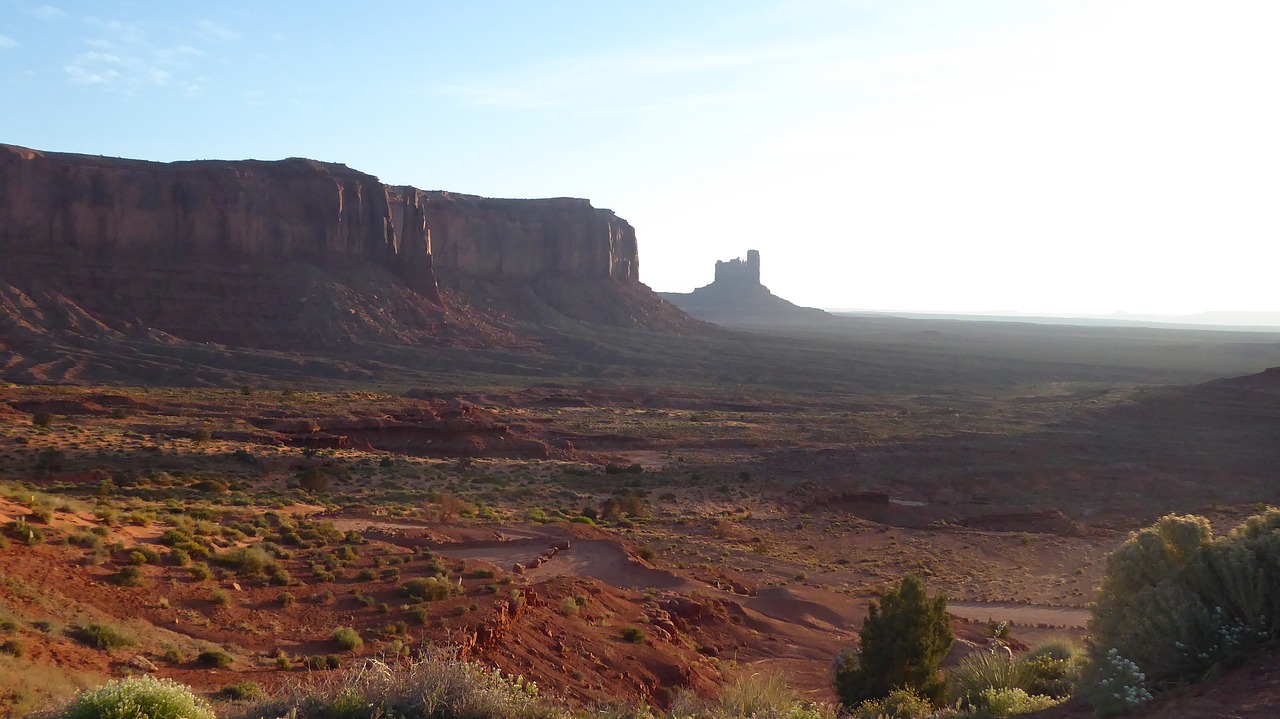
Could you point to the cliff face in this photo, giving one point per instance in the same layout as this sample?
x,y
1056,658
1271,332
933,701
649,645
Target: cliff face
x,y
298,252
521,239
327,215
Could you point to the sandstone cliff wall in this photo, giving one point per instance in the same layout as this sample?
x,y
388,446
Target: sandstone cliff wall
x,y
326,214
520,239
299,253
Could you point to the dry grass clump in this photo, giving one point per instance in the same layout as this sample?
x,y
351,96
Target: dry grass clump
x,y
433,687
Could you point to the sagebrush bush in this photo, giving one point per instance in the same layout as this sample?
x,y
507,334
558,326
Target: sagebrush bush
x,y
347,639
105,636
1180,604
141,697
429,589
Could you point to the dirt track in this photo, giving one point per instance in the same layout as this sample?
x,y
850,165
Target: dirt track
x,y
1024,614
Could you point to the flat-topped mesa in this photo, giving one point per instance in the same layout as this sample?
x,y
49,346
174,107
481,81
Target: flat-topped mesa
x,y
295,252
233,212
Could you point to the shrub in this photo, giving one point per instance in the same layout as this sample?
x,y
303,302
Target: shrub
x,y
130,576
241,692
1115,685
200,571
1179,604
569,607
1054,667
904,639
899,704
246,560
756,696
12,647
347,639
201,435
216,658
1001,703
42,419
105,636
318,662
635,635
137,697
220,597
429,589
23,531
983,670
40,513
429,687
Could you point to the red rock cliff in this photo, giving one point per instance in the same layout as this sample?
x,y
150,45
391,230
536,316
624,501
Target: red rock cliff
x,y
520,239
326,214
298,253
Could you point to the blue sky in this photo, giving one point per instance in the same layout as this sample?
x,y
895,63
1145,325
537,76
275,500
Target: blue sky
x,y
1078,156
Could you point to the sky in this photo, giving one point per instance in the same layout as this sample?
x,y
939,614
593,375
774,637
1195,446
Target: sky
x,y
1036,156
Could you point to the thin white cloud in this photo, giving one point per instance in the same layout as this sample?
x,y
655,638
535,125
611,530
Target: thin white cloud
x,y
123,59
48,12
214,31
7,42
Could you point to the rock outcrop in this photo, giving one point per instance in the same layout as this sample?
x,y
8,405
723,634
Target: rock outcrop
x,y
297,253
736,298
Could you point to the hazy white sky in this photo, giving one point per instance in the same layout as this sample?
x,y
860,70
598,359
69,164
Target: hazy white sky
x,y
1033,155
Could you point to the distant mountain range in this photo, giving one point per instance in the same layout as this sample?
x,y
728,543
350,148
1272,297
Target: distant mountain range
x,y
1260,321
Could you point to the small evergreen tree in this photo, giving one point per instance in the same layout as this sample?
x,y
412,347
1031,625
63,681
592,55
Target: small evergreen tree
x,y
905,637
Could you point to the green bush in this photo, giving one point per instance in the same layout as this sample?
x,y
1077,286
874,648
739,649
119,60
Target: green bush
x,y
246,560
130,576
105,636
241,692
635,635
429,589
216,658
141,697
899,704
12,647
1180,604
347,639
1054,667
1001,703
903,640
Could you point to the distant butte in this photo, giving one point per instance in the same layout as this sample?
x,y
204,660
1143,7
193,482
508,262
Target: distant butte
x,y
737,298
